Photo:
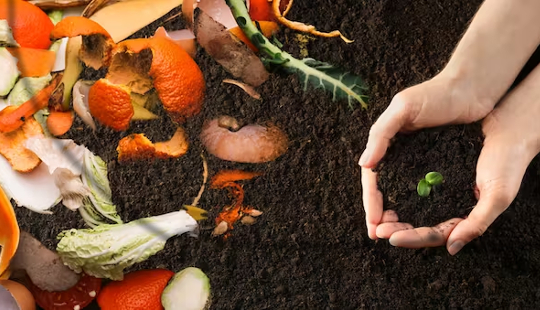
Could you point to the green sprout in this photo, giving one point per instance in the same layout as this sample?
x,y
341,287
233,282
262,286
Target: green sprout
x,y
431,179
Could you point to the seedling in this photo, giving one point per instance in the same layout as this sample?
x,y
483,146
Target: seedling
x,y
431,179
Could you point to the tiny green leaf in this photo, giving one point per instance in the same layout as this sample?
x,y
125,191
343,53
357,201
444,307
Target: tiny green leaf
x,y
423,188
434,178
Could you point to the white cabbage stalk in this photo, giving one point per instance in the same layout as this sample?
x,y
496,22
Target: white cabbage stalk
x,y
72,189
39,183
106,250
58,153
98,208
10,71
189,289
64,159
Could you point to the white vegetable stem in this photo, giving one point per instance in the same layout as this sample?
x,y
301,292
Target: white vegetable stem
x,y
106,250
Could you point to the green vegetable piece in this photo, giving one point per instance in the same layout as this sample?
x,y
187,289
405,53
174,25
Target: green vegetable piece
x,y
56,16
10,72
434,178
106,250
99,208
423,188
187,290
6,35
342,85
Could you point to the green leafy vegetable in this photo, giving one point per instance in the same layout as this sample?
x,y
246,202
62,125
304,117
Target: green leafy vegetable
x,y
106,250
434,178
187,290
98,209
423,188
319,74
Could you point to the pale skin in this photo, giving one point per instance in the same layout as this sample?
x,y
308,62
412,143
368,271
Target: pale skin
x,y
472,87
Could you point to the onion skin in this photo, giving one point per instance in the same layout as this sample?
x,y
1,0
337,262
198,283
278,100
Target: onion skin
x,y
250,144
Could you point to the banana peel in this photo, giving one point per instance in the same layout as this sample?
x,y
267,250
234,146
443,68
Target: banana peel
x,y
9,234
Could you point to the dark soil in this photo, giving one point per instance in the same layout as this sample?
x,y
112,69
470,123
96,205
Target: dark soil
x,y
310,250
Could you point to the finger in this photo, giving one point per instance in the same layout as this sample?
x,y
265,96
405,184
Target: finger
x,y
424,237
372,200
384,129
500,170
389,216
386,230
489,207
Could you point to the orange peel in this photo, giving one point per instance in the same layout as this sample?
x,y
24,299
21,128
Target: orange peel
x,y
177,146
111,104
9,234
12,145
137,146
33,62
224,177
97,44
177,78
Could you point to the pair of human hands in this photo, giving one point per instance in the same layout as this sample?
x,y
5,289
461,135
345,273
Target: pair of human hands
x,y
489,57
512,135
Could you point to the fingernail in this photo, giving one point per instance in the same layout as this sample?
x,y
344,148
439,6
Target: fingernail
x,y
455,247
363,158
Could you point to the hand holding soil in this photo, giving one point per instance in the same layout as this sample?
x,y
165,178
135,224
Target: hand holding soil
x,y
475,79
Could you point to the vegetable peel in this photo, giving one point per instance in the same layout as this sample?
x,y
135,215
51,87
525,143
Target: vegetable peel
x,y
12,119
97,43
9,234
138,147
276,8
236,211
12,145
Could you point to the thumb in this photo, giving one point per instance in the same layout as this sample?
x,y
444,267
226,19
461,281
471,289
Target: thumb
x,y
500,171
384,129
478,221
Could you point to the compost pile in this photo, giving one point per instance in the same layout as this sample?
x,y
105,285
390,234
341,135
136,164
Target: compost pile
x,y
306,246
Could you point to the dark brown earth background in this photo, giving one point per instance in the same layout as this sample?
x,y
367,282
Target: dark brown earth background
x,y
310,250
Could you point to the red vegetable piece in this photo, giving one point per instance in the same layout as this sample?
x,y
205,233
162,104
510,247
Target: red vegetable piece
x,y
261,10
81,295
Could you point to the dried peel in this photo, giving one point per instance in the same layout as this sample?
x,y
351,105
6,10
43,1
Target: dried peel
x,y
176,147
222,178
97,43
135,147
138,147
276,8
12,145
